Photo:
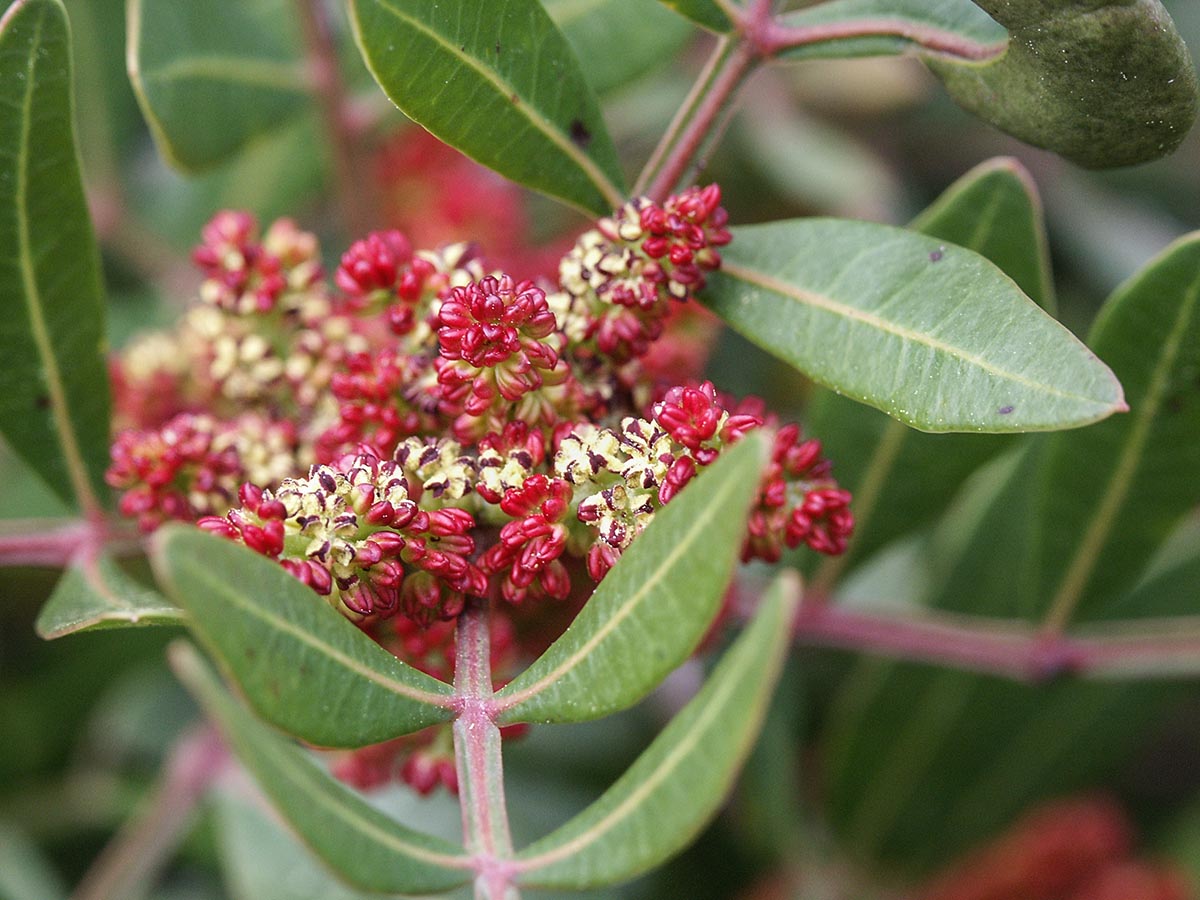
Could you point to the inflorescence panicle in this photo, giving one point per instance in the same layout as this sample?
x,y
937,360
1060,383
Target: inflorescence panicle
x,y
424,430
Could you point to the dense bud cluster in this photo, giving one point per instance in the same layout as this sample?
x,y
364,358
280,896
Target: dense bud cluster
x,y
621,276
424,430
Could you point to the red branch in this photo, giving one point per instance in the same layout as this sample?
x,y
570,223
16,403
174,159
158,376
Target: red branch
x,y
477,757
775,37
1011,649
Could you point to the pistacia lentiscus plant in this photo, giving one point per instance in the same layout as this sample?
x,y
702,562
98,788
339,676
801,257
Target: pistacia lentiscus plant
x,y
428,502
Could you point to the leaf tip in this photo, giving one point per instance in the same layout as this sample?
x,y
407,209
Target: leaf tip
x,y
45,627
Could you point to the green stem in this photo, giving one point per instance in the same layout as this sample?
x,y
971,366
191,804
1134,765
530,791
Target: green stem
x,y
477,758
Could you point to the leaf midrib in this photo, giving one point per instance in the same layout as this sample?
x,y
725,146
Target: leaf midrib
x,y
222,591
829,305
507,703
1083,563
302,775
290,767
731,682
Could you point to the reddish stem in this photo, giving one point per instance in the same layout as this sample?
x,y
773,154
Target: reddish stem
x,y
58,542
1011,649
757,36
701,120
477,757
775,37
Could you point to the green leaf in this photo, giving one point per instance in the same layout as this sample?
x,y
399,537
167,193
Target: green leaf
x,y
934,335
1101,83
705,13
888,728
926,762
54,404
272,177
652,609
663,800
1114,491
499,82
814,164
995,210
212,76
261,860
647,34
303,667
360,843
902,480
957,26
94,594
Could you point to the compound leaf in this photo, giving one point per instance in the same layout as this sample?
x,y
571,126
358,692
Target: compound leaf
x,y
671,790
653,608
302,666
357,841
933,334
499,82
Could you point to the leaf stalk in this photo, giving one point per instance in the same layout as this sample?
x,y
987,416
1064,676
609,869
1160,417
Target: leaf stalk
x,y
477,758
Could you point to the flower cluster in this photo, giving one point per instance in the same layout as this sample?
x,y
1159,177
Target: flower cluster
x,y
621,276
424,430
352,531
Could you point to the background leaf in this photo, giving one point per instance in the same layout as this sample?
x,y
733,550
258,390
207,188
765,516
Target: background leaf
x,y
932,334
356,840
902,479
647,34
1103,84
962,755
664,798
1113,492
499,82
995,210
54,404
957,23
261,860
652,608
214,75
95,594
271,177
971,751
302,666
